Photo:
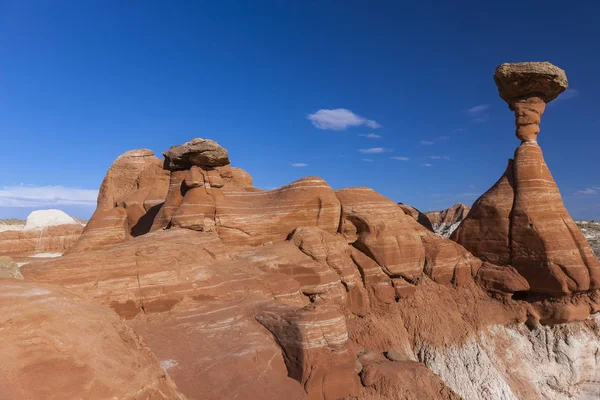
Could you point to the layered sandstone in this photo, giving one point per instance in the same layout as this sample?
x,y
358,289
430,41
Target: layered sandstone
x,y
521,221
417,215
43,357
53,239
44,231
303,292
130,195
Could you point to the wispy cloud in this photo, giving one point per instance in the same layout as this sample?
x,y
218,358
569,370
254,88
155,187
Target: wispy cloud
x,y
400,158
427,165
370,135
367,159
439,157
590,191
46,196
568,94
299,165
340,119
373,150
479,113
431,142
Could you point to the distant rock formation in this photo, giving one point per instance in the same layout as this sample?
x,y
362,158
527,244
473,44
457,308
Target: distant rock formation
x,y
45,231
521,221
446,221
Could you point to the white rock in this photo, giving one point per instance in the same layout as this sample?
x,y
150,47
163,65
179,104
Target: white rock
x,y
560,362
40,219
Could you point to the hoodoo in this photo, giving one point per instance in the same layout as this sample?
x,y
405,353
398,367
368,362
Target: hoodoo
x,y
521,221
306,292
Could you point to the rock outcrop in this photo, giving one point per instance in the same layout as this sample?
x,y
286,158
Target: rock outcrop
x,y
303,292
417,215
44,231
54,239
446,221
9,268
45,357
131,194
521,221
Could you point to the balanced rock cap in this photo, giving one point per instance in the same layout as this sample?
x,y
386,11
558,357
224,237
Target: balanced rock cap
x,y
525,79
204,153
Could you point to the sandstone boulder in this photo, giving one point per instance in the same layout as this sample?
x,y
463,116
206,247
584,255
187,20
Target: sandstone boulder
x,y
9,268
525,79
197,152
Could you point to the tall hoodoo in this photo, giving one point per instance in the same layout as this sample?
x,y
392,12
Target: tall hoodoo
x,y
527,87
521,221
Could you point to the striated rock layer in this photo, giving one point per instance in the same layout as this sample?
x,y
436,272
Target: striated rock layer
x,y
304,292
131,193
52,239
521,221
58,345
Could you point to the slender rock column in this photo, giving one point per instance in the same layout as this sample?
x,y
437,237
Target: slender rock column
x,y
527,87
521,221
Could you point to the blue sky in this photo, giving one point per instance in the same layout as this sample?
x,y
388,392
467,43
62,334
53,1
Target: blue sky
x,y
397,96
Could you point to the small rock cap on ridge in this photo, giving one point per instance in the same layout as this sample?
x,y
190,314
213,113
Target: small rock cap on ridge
x,y
516,81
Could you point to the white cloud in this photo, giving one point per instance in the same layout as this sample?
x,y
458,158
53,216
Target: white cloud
x,y
479,113
427,142
371,135
588,191
568,94
427,165
439,157
299,165
367,159
45,196
339,119
373,150
478,109
400,158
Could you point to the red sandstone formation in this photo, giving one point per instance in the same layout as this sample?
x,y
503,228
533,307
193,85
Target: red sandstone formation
x,y
521,221
52,239
58,345
178,283
417,215
131,193
304,292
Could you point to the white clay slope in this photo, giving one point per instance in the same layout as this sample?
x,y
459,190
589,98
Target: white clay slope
x,y
40,219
